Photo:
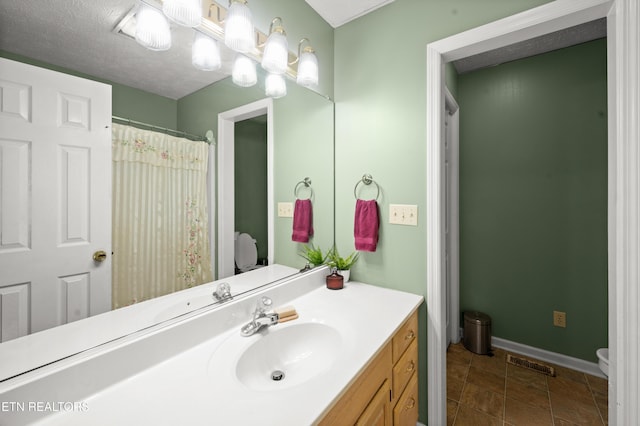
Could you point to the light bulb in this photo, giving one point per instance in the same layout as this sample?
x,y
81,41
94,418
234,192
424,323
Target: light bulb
x,y
205,54
187,13
275,86
152,28
308,69
276,53
238,28
244,72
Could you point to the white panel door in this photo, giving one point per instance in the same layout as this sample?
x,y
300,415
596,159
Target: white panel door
x,y
55,198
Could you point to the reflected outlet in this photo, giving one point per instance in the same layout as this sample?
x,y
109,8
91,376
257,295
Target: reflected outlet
x,y
559,319
285,209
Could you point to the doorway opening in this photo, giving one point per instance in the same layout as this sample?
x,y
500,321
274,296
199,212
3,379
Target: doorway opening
x,y
226,182
533,179
624,236
250,196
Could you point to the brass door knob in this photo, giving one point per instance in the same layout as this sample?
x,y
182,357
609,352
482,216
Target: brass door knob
x,y
100,256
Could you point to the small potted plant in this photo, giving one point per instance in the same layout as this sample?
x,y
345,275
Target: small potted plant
x,y
313,255
342,264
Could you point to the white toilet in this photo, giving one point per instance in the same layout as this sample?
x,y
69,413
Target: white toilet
x,y
603,360
246,252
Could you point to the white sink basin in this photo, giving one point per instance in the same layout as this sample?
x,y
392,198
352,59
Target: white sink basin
x,y
281,356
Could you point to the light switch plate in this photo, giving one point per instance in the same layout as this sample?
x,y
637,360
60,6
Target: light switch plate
x,y
403,214
285,209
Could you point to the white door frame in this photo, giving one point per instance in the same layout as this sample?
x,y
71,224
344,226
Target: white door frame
x,y
226,199
623,58
452,108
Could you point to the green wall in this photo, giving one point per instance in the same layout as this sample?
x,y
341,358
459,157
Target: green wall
x,y
250,167
380,94
303,122
303,147
533,198
127,102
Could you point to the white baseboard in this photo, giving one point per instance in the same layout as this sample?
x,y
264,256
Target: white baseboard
x,y
548,356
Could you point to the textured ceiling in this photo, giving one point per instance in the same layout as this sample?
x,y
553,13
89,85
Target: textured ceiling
x,y
77,34
568,37
339,12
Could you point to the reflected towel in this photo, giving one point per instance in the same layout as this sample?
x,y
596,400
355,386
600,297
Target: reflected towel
x,y
365,229
302,221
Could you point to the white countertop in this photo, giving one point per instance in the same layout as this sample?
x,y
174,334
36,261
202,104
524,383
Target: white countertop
x,y
190,388
34,350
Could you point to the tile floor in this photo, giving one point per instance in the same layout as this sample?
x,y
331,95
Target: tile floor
x,y
483,390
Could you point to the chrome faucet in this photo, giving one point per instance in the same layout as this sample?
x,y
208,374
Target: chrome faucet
x,y
262,317
223,292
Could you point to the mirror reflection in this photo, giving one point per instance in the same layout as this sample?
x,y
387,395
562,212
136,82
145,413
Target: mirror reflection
x,y
301,128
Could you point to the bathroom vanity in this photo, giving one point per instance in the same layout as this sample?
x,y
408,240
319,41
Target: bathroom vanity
x,y
386,392
351,355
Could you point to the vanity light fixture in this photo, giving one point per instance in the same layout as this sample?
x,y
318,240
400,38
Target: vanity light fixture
x,y
275,86
307,65
149,26
239,34
187,13
275,56
152,28
205,54
244,72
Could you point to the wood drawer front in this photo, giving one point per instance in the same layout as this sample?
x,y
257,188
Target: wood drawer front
x,y
406,410
405,368
353,402
405,335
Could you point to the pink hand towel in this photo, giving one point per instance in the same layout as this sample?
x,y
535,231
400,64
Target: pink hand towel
x,y
302,221
365,228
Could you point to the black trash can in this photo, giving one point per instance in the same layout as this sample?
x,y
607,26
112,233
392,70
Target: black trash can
x,y
477,332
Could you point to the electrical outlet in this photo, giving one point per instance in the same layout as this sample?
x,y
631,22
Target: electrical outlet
x,y
559,319
403,214
285,209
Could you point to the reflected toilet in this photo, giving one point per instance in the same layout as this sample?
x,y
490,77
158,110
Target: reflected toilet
x,y
246,253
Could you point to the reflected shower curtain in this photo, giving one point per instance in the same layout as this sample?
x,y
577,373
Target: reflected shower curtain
x,y
160,222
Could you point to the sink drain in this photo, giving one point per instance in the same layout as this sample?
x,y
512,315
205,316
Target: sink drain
x,y
277,375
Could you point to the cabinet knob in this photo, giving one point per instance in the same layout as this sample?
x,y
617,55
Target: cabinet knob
x,y
410,366
410,335
410,404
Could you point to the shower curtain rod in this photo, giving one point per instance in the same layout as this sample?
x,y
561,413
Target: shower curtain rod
x,y
208,138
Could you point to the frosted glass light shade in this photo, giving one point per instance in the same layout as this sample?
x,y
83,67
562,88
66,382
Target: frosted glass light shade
x,y
308,69
244,72
205,54
238,29
152,28
275,86
276,53
187,13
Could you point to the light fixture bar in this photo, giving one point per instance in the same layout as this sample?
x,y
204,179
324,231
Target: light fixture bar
x,y
213,25
213,17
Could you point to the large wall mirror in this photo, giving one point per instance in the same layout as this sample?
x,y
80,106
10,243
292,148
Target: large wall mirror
x,y
79,38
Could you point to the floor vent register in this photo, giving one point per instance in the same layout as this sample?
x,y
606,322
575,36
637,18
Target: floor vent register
x,y
531,365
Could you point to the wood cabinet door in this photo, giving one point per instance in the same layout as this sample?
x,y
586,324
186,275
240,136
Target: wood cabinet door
x,y
405,412
378,412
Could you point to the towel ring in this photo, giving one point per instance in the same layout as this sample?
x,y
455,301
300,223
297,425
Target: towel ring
x,y
307,184
367,180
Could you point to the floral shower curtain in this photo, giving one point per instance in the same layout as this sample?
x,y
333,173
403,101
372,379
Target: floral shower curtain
x,y
160,222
